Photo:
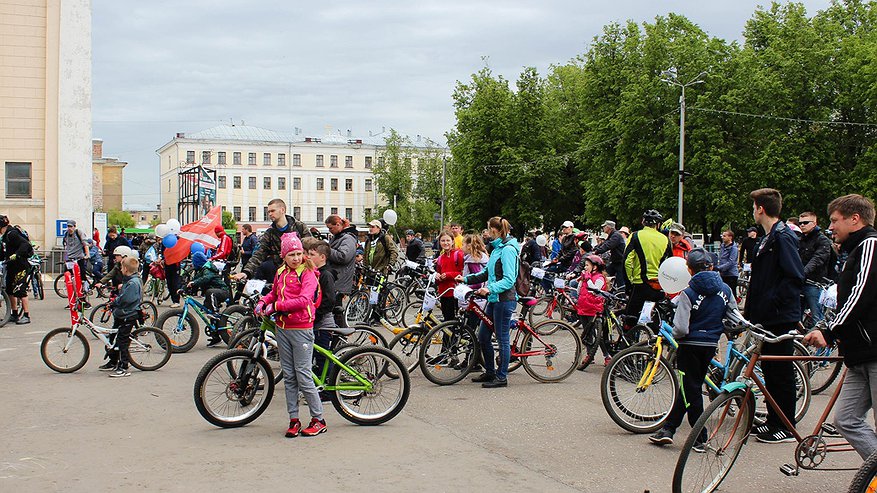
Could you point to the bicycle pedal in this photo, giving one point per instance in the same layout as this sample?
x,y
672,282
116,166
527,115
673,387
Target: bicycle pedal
x,y
789,470
830,429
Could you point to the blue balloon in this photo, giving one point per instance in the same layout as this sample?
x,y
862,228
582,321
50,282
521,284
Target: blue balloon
x,y
196,247
169,241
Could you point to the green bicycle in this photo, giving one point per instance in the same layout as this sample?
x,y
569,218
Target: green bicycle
x,y
368,385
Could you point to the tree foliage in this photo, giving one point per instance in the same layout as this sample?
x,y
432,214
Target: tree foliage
x,y
228,221
120,219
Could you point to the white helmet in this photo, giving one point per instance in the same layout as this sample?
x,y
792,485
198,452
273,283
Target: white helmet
x,y
134,254
122,250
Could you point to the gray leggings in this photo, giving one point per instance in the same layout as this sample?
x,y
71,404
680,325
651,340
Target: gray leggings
x,y
857,396
296,354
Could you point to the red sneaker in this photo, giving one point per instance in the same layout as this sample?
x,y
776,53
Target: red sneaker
x,y
606,361
316,427
294,428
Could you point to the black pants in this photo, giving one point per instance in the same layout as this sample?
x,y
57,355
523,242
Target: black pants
x,y
172,275
692,362
779,377
616,269
449,307
731,281
121,340
594,325
338,311
213,299
639,294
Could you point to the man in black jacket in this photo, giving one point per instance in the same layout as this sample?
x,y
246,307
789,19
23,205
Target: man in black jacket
x,y
414,250
16,249
614,244
815,251
855,327
266,259
774,300
747,246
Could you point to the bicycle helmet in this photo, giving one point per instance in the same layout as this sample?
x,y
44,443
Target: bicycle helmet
x,y
122,250
652,216
596,260
700,259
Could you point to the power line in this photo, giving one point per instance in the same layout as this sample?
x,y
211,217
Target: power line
x,y
783,118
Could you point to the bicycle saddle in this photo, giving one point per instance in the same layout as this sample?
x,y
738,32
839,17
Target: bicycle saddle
x,y
527,300
344,331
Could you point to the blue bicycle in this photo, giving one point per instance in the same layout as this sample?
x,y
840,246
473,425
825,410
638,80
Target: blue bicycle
x,y
182,327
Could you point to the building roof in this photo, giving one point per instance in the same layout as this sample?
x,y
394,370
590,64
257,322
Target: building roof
x,y
241,132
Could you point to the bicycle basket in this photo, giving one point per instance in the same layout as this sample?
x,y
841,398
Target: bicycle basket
x,y
537,273
559,282
828,297
373,294
428,302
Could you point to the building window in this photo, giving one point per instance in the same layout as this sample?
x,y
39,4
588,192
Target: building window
x,y
142,218
251,182
333,183
348,161
266,159
190,157
251,159
237,183
281,183
333,161
296,212
205,157
319,184
348,213
368,161
348,185
236,158
266,183
265,214
168,186
296,183
319,160
154,217
368,184
18,180
252,214
236,212
296,159
220,157
320,214
220,181
366,213
334,211
223,208
281,159
381,161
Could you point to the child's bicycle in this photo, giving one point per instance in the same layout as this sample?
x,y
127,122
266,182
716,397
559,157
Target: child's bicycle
x,y
182,327
103,313
367,385
66,350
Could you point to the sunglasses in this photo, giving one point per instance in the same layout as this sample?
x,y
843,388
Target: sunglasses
x,y
804,223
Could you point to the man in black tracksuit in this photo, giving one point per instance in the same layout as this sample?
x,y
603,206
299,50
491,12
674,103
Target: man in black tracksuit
x,y
614,244
815,251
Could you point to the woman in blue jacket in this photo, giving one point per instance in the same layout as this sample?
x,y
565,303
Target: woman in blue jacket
x,y
500,274
728,261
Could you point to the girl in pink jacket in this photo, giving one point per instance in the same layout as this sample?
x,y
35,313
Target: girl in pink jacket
x,y
294,296
590,309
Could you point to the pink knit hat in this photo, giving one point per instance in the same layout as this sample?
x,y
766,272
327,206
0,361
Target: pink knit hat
x,y
289,242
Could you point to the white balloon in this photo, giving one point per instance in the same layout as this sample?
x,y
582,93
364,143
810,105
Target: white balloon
x,y
673,275
162,230
173,226
390,217
541,240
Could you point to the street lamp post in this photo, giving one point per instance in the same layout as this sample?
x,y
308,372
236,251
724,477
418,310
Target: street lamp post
x,y
670,77
442,215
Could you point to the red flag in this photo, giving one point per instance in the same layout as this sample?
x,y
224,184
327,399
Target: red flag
x,y
201,231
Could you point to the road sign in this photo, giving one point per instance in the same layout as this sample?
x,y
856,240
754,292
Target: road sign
x,y
60,227
100,223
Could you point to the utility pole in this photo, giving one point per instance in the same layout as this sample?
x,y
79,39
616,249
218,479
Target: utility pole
x,y
442,215
670,77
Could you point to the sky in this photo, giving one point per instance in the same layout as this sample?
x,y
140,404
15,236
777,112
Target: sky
x,y
162,67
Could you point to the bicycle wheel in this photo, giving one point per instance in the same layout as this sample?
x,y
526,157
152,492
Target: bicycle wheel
x,y
365,335
37,285
5,308
865,480
234,314
638,410
406,345
394,304
245,324
448,352
151,313
150,349
183,333
725,426
557,351
60,286
411,315
233,388
387,396
101,314
358,308
245,340
544,309
63,353
824,373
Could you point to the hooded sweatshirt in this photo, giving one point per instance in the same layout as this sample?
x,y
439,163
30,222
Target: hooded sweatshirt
x,y
701,308
501,272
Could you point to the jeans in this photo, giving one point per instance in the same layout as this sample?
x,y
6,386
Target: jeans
x,y
296,357
857,397
811,300
501,314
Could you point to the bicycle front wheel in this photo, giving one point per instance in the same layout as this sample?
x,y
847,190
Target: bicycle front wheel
x,y
824,373
183,333
866,479
150,311
246,339
406,345
723,429
64,353
37,286
387,394
636,408
365,335
150,349
233,388
448,352
101,315
5,308
60,286
552,353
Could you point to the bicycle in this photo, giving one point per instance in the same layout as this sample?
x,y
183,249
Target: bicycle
x,y
374,299
865,480
236,387
35,276
557,303
406,343
88,288
5,302
617,339
725,425
66,349
102,313
549,351
182,326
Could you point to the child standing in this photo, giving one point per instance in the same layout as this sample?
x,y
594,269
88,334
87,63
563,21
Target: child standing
x,y
589,307
697,326
126,314
475,257
318,253
293,296
448,265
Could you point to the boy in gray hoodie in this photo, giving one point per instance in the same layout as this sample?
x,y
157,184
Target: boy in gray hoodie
x,y
126,314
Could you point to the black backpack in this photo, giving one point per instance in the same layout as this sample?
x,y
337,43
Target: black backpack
x,y
235,255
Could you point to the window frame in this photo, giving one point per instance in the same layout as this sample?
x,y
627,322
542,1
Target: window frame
x,y
28,181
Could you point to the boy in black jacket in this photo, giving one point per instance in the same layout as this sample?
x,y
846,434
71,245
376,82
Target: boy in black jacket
x,y
126,314
318,252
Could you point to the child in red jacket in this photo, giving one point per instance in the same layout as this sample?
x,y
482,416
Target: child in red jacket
x,y
448,265
293,296
589,307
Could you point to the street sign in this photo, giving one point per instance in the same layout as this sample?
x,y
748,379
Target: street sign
x,y
100,223
60,227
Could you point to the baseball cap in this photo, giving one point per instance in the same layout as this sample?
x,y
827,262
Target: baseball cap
x,y
677,228
567,224
609,223
751,229
71,222
374,222
409,232
625,230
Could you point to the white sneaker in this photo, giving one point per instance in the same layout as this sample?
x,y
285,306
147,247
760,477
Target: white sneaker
x,y
120,372
175,305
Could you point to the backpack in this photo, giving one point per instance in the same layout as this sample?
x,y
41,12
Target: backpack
x,y
235,255
522,283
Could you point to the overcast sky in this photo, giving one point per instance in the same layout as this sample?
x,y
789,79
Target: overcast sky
x,y
162,67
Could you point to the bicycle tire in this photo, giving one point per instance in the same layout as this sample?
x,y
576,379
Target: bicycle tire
x,y
803,395
374,364
865,480
52,356
101,314
183,336
730,408
358,309
151,312
366,335
245,324
824,373
150,348
37,285
5,308
394,303
448,353
406,345
60,286
235,313
556,367
260,382
540,311
244,340
410,314
618,389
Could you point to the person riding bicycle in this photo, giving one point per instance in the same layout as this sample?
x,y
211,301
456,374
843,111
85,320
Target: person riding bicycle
x,y
588,306
16,250
642,257
75,248
697,326
209,281
114,277
126,315
855,326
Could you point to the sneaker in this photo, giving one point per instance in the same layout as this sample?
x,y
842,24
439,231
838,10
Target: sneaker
x,y
699,447
120,372
214,341
606,361
484,377
775,436
14,317
316,427
759,429
495,383
662,437
175,305
110,366
294,428
585,362
24,319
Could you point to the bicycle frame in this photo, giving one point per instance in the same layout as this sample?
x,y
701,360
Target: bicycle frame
x,y
200,310
522,329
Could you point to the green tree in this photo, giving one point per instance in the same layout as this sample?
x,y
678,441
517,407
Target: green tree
x,y
119,218
228,221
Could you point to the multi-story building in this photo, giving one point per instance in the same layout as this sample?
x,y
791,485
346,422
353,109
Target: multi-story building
x,y
316,177
106,179
45,115
144,218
